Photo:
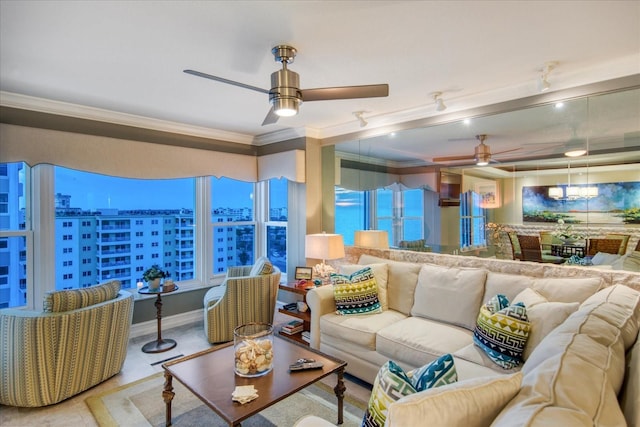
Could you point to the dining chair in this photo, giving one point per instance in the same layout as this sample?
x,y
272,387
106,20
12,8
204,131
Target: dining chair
x,y
531,250
515,245
625,241
609,246
547,240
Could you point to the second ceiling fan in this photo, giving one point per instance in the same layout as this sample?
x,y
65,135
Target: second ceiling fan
x,y
285,94
481,155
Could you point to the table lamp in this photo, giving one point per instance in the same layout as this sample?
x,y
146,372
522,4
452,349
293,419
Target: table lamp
x,y
324,246
377,239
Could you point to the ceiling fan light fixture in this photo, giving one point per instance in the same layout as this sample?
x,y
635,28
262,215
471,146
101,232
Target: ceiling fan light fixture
x,y
286,107
575,152
482,152
483,160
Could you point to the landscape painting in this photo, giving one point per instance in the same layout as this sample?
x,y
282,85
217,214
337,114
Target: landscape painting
x,y
615,203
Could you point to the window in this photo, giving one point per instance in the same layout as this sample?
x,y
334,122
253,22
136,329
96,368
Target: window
x,y
277,223
106,207
232,201
472,220
351,211
15,235
99,231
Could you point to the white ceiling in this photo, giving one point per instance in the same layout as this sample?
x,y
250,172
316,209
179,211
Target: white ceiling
x,y
125,59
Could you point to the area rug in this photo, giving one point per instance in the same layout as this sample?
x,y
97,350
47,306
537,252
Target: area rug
x,y
140,404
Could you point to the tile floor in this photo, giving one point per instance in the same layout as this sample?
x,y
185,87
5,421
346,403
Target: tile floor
x,y
74,412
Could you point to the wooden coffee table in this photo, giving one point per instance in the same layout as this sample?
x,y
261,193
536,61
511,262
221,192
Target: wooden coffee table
x,y
209,375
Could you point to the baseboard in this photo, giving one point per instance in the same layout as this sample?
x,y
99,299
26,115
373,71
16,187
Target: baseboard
x,y
151,326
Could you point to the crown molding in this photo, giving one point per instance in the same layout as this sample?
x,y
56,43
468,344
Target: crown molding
x,y
25,102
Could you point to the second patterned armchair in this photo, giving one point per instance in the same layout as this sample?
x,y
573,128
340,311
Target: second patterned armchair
x,y
244,298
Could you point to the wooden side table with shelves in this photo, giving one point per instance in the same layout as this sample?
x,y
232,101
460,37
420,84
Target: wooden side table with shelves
x,y
301,289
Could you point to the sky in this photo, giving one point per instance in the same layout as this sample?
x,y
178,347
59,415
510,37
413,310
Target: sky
x,y
93,191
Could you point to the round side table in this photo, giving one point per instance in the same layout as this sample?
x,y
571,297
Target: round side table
x,y
160,344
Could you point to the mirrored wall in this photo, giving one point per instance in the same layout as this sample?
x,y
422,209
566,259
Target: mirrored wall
x,y
420,182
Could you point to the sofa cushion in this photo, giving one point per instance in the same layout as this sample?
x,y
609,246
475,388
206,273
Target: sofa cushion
x,y
544,316
73,299
261,266
361,330
632,261
567,290
357,293
403,277
502,331
469,403
553,289
508,285
450,295
574,375
416,341
392,383
474,354
380,272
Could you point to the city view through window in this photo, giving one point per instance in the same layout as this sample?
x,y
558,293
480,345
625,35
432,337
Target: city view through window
x,y
111,228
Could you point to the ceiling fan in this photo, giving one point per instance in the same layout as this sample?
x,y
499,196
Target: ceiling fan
x,y
285,95
482,154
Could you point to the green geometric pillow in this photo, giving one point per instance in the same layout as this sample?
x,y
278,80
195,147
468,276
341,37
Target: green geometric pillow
x,y
392,383
73,299
502,331
357,293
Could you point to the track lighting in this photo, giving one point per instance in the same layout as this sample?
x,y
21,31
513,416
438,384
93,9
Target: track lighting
x,y
361,119
437,98
543,83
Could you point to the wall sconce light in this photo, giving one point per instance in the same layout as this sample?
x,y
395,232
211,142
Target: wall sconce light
x,y
325,247
377,239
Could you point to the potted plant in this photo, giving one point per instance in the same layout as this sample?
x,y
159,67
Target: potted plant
x,y
153,275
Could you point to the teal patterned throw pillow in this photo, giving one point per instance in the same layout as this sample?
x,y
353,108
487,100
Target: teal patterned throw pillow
x,y
502,331
392,383
357,293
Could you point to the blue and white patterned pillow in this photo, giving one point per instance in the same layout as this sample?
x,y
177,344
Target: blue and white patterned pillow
x,y
502,331
392,383
441,371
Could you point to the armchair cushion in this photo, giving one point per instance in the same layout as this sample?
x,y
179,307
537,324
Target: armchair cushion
x,y
261,267
73,299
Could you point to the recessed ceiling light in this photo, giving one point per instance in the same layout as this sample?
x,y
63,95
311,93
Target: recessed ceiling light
x,y
467,122
559,104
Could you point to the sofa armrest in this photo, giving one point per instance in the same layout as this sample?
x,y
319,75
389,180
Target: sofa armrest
x,y
320,301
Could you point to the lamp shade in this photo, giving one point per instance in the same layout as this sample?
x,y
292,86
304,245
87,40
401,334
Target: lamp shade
x,y
324,246
378,239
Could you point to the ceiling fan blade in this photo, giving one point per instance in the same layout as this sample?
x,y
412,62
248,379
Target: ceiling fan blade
x,y
271,118
344,92
223,80
506,151
452,158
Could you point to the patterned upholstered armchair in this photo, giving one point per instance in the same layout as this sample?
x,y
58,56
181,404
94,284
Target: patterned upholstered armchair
x,y
240,299
79,341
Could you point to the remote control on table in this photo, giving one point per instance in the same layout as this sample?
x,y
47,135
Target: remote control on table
x,y
304,364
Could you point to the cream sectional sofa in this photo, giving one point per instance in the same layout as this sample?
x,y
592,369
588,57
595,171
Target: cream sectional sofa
x,y
581,361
